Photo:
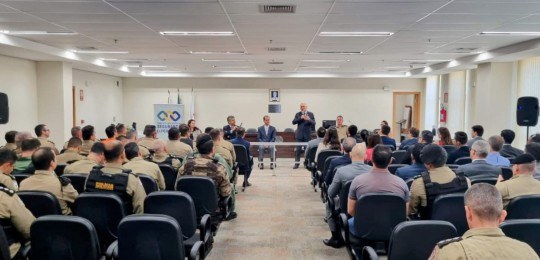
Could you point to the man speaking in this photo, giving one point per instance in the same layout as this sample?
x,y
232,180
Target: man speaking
x,y
306,124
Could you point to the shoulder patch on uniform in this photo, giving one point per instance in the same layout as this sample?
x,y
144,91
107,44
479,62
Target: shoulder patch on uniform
x,y
8,191
446,242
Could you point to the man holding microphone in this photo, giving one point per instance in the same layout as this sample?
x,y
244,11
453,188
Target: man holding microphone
x,y
306,123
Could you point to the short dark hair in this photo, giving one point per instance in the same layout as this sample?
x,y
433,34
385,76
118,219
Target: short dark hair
x,y
427,136
149,130
120,127
533,149
183,129
414,132
30,144
98,148
364,133
214,134
240,131
321,132
208,129
121,138
434,154
7,156
110,130
204,144
10,137
373,140
75,130
382,155
39,129
478,129
87,132
174,133
113,151
535,138
508,136
461,137
353,130
416,151
385,130
74,142
132,150
42,158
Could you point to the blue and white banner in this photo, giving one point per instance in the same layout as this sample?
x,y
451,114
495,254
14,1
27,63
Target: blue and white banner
x,y
167,116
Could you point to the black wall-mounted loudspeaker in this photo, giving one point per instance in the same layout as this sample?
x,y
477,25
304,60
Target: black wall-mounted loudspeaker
x,y
527,111
4,109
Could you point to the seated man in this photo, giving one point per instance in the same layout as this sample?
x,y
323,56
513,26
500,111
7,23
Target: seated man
x,y
267,134
343,175
460,141
89,138
85,166
150,135
76,132
507,150
113,175
438,180
111,133
72,153
346,147
494,157
14,214
479,168
43,132
413,139
522,183
10,141
24,163
161,155
417,166
321,132
184,135
217,140
240,134
476,133
175,147
7,162
44,179
205,165
229,130
138,165
484,239
386,140
352,131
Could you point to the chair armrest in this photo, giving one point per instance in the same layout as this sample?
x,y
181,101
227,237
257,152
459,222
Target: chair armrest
x,y
344,228
368,253
112,251
24,252
197,249
205,227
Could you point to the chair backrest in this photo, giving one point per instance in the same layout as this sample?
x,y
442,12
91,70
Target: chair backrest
x,y
321,158
414,240
241,155
524,230
506,173
175,204
344,197
4,246
150,185
449,148
393,167
328,161
376,215
399,156
150,236
59,170
169,174
491,181
463,160
524,207
279,139
453,167
288,130
40,203
104,210
78,181
251,130
311,154
20,176
409,182
451,208
63,237
202,191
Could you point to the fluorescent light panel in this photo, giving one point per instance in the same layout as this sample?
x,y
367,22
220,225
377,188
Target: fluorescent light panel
x,y
126,60
217,52
100,52
318,67
425,60
326,60
453,52
146,66
186,33
232,67
37,33
356,34
500,33
209,60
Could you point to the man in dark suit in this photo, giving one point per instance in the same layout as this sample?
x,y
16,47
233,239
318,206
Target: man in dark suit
x,y
507,150
266,133
416,168
386,140
460,139
229,131
479,168
240,134
306,123
413,134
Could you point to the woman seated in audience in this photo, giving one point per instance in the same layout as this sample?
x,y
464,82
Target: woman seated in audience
x,y
193,130
444,136
330,142
372,141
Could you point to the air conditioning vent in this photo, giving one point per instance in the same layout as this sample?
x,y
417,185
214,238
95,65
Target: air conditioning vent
x,y
276,62
278,9
276,48
86,48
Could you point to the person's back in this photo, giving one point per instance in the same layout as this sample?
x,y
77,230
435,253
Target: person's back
x,y
416,168
14,214
94,158
494,157
175,147
479,168
523,182
385,139
72,153
344,160
7,160
138,165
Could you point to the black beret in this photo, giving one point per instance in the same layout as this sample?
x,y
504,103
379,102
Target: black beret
x,y
524,158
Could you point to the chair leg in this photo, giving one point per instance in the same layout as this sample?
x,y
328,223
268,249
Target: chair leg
x,y
244,183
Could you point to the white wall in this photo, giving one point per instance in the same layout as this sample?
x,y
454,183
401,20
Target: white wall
x,y
431,102
19,83
103,100
360,101
456,101
528,85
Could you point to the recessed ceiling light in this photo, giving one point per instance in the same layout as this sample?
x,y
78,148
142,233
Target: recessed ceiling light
x,y
37,33
453,52
326,60
356,34
146,66
338,52
184,33
217,52
100,52
209,60
126,60
495,33
232,67
318,67
424,60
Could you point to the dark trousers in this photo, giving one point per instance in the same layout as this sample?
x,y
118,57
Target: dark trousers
x,y
299,149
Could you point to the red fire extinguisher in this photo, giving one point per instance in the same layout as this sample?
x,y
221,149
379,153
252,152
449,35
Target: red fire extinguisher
x,y
443,115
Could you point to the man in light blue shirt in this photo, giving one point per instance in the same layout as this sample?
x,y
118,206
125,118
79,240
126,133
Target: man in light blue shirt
x,y
494,157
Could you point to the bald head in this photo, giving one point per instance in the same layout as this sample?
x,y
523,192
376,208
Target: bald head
x,y
358,153
114,152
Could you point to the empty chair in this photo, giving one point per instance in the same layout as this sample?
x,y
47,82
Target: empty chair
x,y
399,156
169,174
449,148
524,207
288,130
251,131
63,237
451,208
524,230
180,206
59,170
243,161
491,181
203,192
150,184
393,167
150,236
40,203
463,161
78,181
507,173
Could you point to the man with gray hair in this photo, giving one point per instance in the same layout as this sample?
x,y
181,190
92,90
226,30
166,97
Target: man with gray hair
x,y
438,180
479,168
484,239
161,155
523,182
346,147
494,157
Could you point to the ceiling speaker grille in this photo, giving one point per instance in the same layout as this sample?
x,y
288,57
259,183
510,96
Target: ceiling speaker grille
x,y
276,62
278,9
276,49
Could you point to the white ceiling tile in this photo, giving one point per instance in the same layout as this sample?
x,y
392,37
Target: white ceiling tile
x,y
301,8
277,19
169,8
469,18
62,7
490,8
374,8
84,18
403,19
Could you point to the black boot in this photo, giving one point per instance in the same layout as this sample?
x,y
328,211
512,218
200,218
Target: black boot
x,y
335,241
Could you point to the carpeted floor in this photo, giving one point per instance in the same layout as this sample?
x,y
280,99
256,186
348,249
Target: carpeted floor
x,y
279,217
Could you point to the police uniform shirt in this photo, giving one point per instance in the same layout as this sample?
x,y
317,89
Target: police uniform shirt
x,y
134,187
10,146
483,243
8,181
48,181
205,166
69,156
46,143
86,147
226,154
229,146
342,132
418,190
179,149
80,167
12,208
147,142
518,185
160,158
138,165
